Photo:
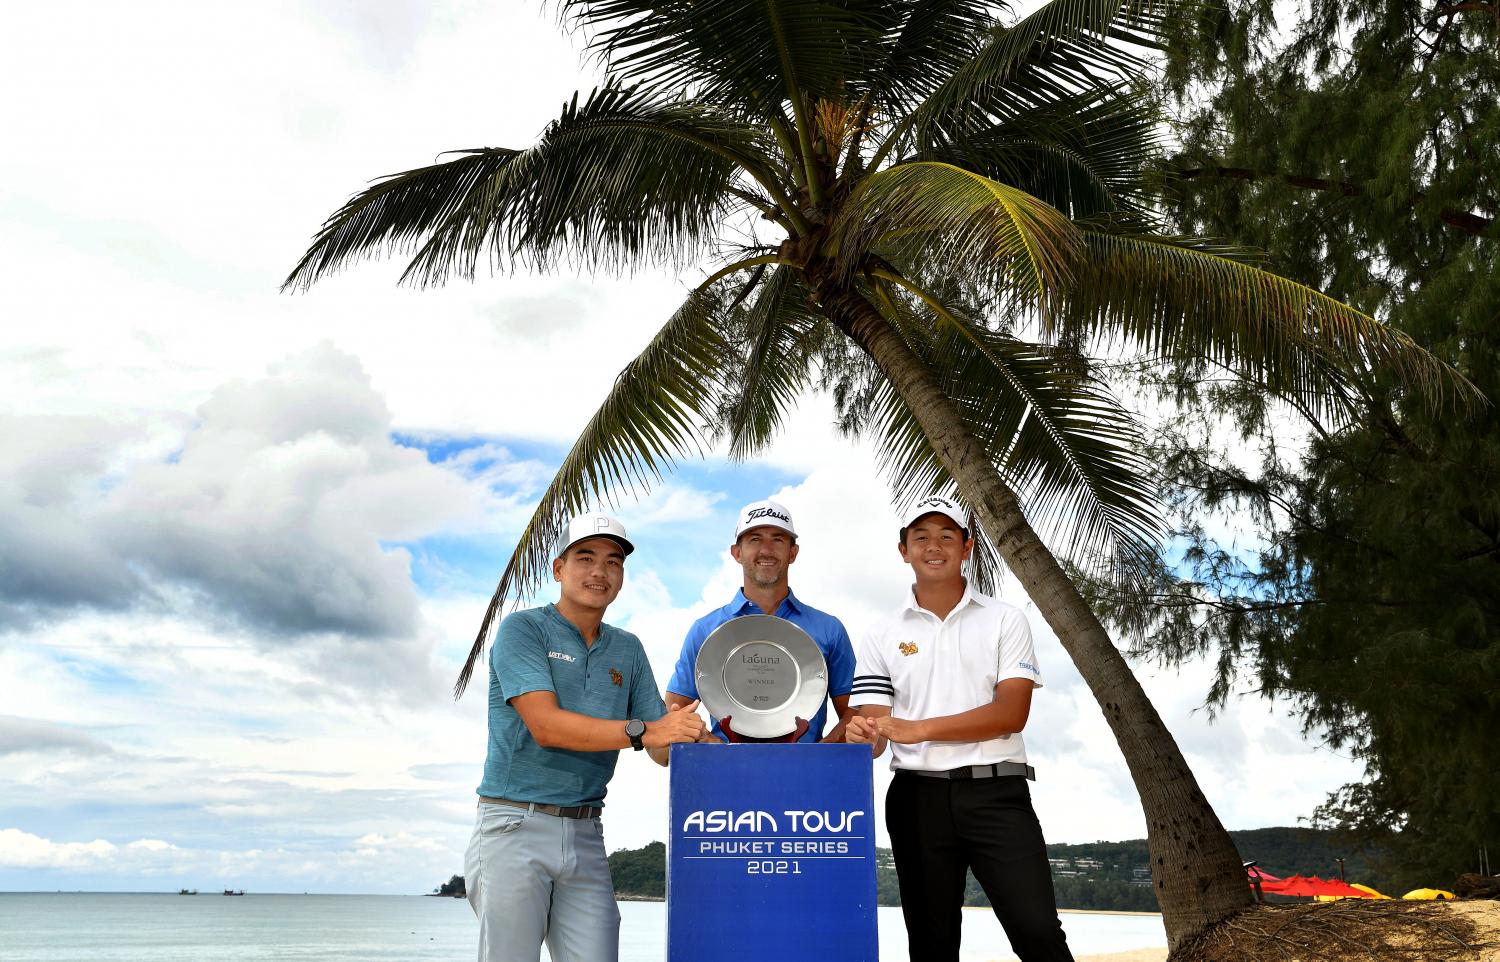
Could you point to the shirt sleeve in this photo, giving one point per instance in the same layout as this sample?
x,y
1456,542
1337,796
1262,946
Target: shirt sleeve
x,y
872,679
1017,657
684,680
519,657
841,662
645,699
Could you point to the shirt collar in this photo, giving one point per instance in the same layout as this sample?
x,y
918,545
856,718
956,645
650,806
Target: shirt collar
x,y
741,605
604,629
969,597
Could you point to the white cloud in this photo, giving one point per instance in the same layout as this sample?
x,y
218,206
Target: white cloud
x,y
375,842
673,503
278,505
151,845
276,512
20,849
361,859
32,735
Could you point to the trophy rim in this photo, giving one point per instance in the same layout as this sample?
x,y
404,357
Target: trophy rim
x,y
811,683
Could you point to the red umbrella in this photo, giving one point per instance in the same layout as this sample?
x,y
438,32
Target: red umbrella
x,y
1297,885
1256,872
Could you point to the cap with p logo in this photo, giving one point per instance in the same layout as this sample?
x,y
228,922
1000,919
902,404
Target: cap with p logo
x,y
587,526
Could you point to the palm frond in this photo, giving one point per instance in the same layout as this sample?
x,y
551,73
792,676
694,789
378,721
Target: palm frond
x,y
774,339
399,211
623,178
935,39
1055,435
1080,151
1062,47
960,224
1185,298
733,52
653,415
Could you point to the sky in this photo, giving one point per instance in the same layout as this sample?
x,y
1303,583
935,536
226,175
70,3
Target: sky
x,y
246,537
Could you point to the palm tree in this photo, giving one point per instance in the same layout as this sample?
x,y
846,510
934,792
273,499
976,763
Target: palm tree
x,y
933,183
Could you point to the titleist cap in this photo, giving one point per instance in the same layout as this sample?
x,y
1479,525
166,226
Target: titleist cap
x,y
758,514
936,505
587,526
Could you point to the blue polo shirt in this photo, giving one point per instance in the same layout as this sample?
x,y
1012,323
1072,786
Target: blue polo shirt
x,y
540,650
824,628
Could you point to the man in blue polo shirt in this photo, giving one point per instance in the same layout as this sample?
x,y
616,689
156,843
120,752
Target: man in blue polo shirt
x,y
765,545
567,692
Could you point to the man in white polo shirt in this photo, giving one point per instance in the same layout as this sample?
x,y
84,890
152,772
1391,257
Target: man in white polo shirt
x,y
946,680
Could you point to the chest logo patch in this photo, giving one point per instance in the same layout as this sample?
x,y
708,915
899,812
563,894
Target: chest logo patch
x,y
616,677
908,647
561,656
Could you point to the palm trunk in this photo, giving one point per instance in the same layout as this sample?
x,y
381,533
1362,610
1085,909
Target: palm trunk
x,y
1195,867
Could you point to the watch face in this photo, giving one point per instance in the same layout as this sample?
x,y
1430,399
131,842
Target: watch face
x,y
635,728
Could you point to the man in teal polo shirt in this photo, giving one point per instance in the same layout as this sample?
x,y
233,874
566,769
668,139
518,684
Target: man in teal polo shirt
x,y
567,693
765,545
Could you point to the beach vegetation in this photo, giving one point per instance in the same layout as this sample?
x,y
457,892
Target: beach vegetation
x,y
1358,143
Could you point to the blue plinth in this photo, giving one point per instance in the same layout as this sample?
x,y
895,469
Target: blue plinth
x,y
771,854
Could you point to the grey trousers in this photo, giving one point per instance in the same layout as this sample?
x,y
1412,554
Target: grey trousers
x,y
531,878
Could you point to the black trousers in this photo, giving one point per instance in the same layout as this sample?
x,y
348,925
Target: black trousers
x,y
941,828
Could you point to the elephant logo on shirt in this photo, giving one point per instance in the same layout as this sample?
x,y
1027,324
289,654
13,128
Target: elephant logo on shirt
x,y
908,647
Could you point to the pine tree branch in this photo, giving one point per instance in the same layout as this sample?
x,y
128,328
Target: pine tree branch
x,y
1453,9
1461,220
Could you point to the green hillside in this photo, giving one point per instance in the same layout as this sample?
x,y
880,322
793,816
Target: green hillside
x,y
640,873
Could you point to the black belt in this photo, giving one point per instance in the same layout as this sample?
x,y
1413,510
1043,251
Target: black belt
x,y
561,811
997,770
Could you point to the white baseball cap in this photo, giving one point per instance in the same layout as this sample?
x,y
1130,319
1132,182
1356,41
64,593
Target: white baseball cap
x,y
758,514
936,505
587,526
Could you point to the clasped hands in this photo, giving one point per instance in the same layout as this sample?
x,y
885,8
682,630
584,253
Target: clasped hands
x,y
875,732
679,725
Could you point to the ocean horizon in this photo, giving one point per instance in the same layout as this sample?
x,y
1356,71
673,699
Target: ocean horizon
x,y
293,927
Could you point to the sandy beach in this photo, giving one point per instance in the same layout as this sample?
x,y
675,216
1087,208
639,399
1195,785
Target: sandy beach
x,y
1158,954
1483,944
1135,955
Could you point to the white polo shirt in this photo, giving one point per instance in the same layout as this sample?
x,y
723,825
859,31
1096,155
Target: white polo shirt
x,y
923,666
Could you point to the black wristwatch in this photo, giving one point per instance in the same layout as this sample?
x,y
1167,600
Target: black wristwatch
x,y
635,729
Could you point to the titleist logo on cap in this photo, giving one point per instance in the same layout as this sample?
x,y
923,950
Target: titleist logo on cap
x,y
764,513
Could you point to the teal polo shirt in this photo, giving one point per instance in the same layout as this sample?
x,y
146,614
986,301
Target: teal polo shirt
x,y
540,650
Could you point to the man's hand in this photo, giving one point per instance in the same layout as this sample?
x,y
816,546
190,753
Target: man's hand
x,y
861,730
679,725
902,731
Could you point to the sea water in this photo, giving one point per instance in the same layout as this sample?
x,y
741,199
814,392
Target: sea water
x,y
93,927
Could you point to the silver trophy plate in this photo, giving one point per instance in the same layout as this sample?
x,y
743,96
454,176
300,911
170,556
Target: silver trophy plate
x,y
763,673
